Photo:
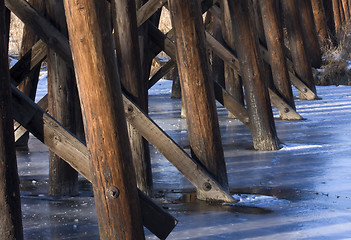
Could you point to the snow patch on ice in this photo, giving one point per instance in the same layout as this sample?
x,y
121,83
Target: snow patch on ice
x,y
292,146
258,200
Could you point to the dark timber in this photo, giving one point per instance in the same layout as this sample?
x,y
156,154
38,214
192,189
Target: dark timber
x,y
297,45
197,88
114,184
310,34
275,44
62,90
129,66
10,205
256,92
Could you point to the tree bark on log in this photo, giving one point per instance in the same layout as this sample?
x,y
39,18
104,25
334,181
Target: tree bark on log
x,y
114,184
251,64
10,203
197,88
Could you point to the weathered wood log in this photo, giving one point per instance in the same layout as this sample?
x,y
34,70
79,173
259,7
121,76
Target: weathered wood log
x,y
63,179
169,66
148,9
73,151
337,17
68,155
342,13
345,6
30,82
300,59
28,62
129,66
233,82
176,89
275,44
310,34
10,203
256,93
320,20
114,182
197,89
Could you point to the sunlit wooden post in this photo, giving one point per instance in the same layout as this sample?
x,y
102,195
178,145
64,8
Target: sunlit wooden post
x,y
345,6
297,44
251,64
197,88
63,179
275,44
29,84
10,205
129,65
337,16
320,20
310,34
115,192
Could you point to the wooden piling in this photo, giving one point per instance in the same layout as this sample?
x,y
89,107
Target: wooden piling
x,y
320,20
337,16
297,45
345,6
310,34
10,205
256,92
129,66
197,88
275,44
29,84
63,179
233,82
114,184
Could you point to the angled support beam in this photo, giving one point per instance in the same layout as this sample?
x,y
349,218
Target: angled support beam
x,y
74,152
65,51
161,72
148,9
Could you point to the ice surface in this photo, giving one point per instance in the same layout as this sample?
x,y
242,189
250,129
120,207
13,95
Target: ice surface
x,y
302,191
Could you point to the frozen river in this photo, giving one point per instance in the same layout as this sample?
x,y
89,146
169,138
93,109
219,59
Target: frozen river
x,y
302,191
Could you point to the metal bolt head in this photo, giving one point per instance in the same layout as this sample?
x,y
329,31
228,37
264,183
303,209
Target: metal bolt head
x,y
207,186
112,192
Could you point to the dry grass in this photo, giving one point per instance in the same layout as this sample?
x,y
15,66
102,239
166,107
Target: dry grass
x,y
336,68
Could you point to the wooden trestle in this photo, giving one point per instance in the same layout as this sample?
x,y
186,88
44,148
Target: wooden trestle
x,y
113,94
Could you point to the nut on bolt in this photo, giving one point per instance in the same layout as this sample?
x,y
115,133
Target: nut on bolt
x,y
207,186
112,192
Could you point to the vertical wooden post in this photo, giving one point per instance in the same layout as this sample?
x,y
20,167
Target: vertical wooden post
x,y
217,63
29,84
197,88
297,44
345,5
115,192
310,34
320,20
10,204
256,93
129,65
342,13
275,44
329,15
337,16
63,179
233,82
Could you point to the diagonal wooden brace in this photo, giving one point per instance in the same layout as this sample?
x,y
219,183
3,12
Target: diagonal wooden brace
x,y
74,152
